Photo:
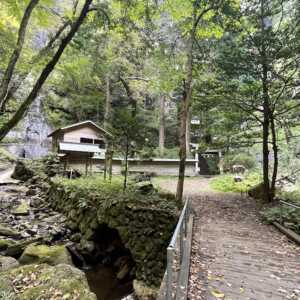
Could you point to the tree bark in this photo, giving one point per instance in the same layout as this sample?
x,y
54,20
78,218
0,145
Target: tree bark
x,y
106,123
185,105
6,127
188,133
266,111
162,125
131,99
126,164
107,113
275,152
16,53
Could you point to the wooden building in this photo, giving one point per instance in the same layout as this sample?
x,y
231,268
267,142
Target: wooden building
x,y
80,143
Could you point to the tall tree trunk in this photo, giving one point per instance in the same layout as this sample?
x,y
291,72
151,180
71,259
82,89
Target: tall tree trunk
x,y
275,152
185,105
126,164
16,53
188,133
106,125
162,125
107,104
131,99
6,127
266,111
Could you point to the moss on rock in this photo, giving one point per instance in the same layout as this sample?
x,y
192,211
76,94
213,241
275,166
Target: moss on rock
x,y
7,262
45,282
5,243
5,230
22,209
52,255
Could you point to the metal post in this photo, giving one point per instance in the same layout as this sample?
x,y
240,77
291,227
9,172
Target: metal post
x,y
281,218
181,243
170,255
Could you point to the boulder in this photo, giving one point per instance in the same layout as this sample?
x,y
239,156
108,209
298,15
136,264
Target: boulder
x,y
22,171
22,209
7,262
257,191
44,282
238,178
144,292
145,187
17,248
7,231
52,255
4,244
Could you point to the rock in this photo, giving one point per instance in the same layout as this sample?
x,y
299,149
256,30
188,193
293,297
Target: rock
x,y
124,271
144,292
88,246
76,237
62,282
6,231
238,178
145,187
4,244
22,171
257,191
17,248
32,191
7,262
22,209
52,255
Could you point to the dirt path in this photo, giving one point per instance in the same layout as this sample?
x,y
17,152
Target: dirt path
x,y
235,256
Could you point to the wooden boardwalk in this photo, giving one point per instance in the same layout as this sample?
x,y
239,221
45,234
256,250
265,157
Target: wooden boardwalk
x,y
236,257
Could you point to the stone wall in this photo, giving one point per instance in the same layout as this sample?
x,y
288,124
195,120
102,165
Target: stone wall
x,y
144,223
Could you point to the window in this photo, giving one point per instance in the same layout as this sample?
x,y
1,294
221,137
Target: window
x,y
101,143
86,141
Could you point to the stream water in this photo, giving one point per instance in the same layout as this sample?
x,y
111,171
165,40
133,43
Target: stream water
x,y
103,282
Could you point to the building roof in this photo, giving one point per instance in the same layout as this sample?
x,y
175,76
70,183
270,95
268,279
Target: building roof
x,y
73,126
79,147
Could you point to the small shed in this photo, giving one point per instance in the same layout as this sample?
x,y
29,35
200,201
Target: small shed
x,y
80,142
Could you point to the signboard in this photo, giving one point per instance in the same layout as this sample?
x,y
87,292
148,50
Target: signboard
x,y
195,121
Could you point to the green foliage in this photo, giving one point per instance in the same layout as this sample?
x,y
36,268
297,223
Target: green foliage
x,y
245,159
226,183
95,191
288,215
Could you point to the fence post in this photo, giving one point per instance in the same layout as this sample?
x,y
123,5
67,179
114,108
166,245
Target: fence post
x,y
170,254
280,207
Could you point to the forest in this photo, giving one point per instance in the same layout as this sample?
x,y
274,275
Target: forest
x,y
171,80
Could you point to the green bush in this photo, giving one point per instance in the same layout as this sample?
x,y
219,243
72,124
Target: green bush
x,y
288,215
226,183
245,159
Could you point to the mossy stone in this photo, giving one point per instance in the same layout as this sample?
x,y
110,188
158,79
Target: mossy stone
x,y
4,244
7,262
7,231
52,255
45,282
22,209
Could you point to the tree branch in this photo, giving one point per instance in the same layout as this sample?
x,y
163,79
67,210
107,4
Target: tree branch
x,y
16,53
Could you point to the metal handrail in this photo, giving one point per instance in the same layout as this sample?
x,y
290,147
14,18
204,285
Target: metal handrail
x,y
181,231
